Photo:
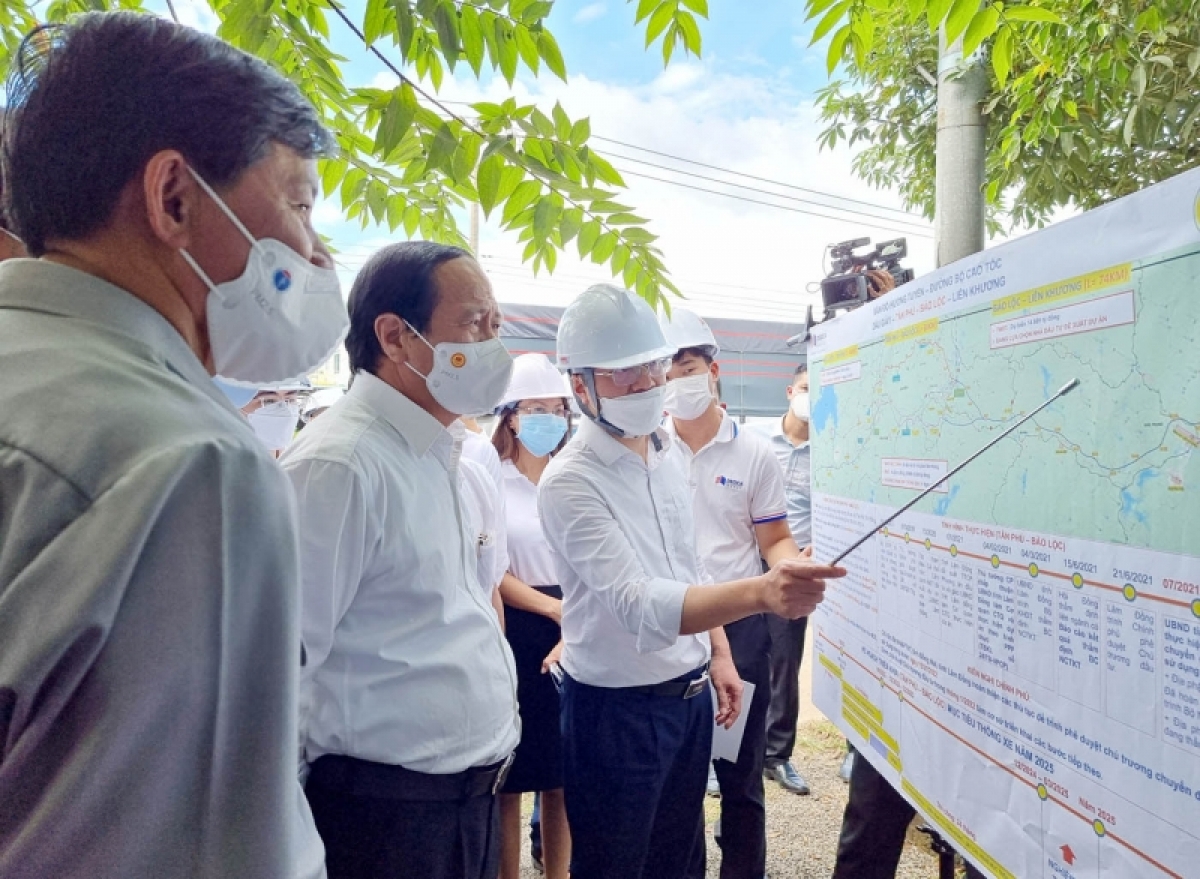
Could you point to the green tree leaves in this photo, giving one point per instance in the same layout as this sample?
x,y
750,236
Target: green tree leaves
x,y
407,160
675,22
1089,100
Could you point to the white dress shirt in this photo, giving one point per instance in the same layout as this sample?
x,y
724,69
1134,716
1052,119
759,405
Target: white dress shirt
x,y
737,484
484,507
530,558
478,447
149,604
622,530
407,664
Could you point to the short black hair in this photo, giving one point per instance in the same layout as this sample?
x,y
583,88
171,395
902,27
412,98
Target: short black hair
x,y
397,279
702,351
92,100
801,369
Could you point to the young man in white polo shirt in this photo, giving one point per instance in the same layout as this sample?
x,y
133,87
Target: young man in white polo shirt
x,y
637,618
741,518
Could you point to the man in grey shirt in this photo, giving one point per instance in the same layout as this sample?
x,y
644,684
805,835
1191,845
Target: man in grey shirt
x,y
149,601
789,441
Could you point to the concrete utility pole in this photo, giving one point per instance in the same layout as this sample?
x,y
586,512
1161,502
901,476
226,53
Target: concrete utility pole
x,y
474,234
961,145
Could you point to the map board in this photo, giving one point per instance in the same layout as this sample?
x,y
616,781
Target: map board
x,y
1020,654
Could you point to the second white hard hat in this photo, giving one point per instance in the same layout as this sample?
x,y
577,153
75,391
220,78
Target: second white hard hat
x,y
686,329
534,377
609,328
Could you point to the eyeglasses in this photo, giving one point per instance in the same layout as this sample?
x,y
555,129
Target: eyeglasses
x,y
629,375
538,409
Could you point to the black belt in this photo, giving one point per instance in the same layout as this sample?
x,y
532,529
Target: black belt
x,y
365,778
683,687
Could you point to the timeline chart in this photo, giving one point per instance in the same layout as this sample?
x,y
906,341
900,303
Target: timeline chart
x,y
1071,665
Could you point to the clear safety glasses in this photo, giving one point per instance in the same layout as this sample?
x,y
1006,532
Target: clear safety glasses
x,y
629,375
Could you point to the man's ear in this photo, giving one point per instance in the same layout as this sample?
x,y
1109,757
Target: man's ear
x,y
172,199
394,336
581,393
791,389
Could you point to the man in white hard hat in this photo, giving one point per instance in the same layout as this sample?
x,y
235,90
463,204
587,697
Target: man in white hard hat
x,y
741,518
641,629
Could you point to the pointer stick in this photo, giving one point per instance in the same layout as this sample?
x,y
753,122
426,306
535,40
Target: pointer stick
x,y
1062,392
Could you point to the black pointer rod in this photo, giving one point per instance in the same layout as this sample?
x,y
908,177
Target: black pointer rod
x,y
1062,392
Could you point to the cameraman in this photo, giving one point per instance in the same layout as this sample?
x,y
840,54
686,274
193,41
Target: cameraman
x,y
879,281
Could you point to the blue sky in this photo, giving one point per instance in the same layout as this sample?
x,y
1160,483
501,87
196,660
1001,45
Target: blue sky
x,y
746,105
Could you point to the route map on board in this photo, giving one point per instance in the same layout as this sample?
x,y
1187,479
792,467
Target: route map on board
x,y
1020,653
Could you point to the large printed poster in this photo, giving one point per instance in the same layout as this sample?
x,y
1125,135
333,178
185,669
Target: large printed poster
x,y
1020,653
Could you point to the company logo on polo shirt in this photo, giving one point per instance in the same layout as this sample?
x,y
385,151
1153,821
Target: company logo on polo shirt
x,y
729,482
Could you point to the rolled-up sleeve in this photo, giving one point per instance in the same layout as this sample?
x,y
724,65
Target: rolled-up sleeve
x,y
581,528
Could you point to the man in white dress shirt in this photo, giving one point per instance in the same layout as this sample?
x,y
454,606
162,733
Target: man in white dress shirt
x,y
741,519
641,631
149,586
408,700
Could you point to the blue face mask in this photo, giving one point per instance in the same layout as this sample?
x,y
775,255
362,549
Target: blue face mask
x,y
541,434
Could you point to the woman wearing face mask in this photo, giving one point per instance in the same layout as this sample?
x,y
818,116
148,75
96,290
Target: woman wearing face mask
x,y
534,423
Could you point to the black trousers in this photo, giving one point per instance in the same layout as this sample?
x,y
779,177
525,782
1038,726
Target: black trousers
x,y
787,649
873,827
374,828
743,838
635,766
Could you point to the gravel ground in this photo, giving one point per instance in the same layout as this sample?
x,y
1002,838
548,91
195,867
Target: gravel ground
x,y
802,831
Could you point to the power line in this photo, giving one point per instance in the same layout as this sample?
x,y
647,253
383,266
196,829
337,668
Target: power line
x,y
632,146
873,225
795,198
916,218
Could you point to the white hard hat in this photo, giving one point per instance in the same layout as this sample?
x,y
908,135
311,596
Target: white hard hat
x,y
686,329
609,328
534,377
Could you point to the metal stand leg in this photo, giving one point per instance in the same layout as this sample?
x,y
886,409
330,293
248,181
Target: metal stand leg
x,y
942,849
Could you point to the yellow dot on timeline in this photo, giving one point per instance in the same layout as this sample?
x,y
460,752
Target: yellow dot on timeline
x,y
907,538
953,550
1196,608
928,543
995,561
1098,826
1077,581
1129,592
1033,569
1042,792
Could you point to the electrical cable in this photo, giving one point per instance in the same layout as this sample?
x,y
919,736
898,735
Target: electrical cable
x,y
717,180
873,225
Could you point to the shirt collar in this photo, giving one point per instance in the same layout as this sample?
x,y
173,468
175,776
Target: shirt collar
x,y
778,435
420,430
608,449
726,432
52,288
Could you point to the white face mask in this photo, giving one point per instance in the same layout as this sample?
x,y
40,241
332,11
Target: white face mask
x,y
274,424
799,405
467,377
688,397
635,414
279,320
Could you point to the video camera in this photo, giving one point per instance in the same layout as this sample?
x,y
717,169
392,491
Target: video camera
x,y
847,285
